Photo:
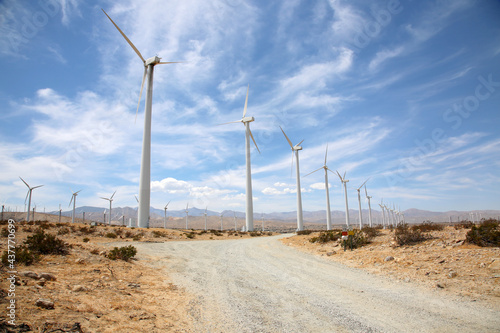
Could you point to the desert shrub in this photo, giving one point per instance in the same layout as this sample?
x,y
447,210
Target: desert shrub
x,y
157,233
427,226
137,236
485,234
43,225
43,243
404,235
63,231
305,232
360,238
190,235
86,240
4,232
371,232
27,229
123,253
215,232
326,236
202,232
94,251
23,256
464,225
129,234
119,231
59,225
87,230
111,235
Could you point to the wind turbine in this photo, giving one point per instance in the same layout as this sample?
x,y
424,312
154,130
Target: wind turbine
x,y
328,213
187,213
235,221
295,149
165,217
221,215
28,197
145,175
344,182
383,213
359,205
73,199
369,207
248,134
205,218
60,210
110,203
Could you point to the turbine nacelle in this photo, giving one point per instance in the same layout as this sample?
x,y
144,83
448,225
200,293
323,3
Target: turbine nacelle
x,y
247,119
152,61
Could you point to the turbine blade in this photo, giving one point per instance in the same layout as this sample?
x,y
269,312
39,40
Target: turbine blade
x,y
24,182
168,203
104,198
231,122
344,174
291,168
255,143
171,62
71,200
364,183
326,153
78,192
37,187
126,38
313,172
287,139
140,94
135,196
246,102
339,175
366,192
113,195
27,193
298,144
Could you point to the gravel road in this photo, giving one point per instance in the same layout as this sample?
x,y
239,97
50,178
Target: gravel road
x,y
261,285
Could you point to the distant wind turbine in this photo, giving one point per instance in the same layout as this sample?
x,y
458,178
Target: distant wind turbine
x,y
73,199
221,227
165,217
110,199
359,205
205,217
369,207
344,182
383,214
28,197
328,212
295,149
235,221
248,134
187,214
145,175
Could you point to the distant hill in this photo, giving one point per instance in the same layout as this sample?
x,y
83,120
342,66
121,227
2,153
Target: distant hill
x,y
412,215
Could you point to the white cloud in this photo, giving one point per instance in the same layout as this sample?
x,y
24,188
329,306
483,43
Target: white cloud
x,y
319,186
383,56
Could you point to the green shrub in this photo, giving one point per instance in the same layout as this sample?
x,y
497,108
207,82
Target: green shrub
x,y
157,233
190,235
111,235
43,243
123,253
404,235
137,236
427,226
87,230
215,232
305,232
326,236
464,225
63,231
129,234
486,234
23,256
371,232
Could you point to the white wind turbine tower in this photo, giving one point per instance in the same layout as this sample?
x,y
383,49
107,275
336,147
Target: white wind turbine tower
x,y
344,182
369,207
221,215
165,216
248,134
383,214
145,175
110,203
205,217
73,199
28,196
187,213
359,205
295,149
235,227
328,212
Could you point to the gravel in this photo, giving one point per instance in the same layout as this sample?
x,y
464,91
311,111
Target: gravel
x,y
261,285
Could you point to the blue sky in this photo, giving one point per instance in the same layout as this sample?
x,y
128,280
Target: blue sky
x,y
404,92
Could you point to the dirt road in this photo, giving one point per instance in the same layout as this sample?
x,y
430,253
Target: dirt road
x,y
261,285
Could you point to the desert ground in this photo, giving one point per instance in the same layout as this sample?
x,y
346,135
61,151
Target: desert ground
x,y
149,294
